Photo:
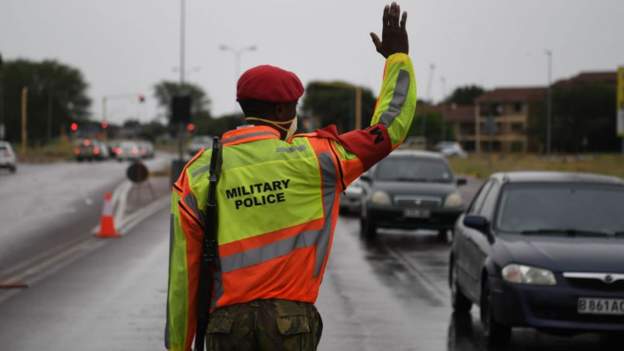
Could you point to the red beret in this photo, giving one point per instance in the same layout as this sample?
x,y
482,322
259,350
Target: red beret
x,y
269,83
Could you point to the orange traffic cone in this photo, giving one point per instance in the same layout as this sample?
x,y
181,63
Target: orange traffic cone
x,y
107,225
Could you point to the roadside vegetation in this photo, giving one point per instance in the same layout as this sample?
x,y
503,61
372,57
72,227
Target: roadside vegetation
x,y
58,150
481,166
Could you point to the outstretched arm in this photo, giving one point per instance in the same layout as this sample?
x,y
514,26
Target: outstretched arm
x,y
394,112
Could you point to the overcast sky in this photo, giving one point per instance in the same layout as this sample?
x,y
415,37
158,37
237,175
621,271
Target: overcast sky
x,y
125,46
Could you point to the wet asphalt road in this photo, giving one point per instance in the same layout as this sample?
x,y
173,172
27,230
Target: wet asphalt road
x,y
389,294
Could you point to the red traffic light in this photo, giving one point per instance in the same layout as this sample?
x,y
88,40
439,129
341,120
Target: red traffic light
x,y
141,98
74,127
190,127
104,124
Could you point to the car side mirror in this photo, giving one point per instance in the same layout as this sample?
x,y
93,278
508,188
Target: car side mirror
x,y
366,178
479,223
461,181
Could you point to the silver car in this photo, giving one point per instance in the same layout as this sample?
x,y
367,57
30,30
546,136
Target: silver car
x,y
7,157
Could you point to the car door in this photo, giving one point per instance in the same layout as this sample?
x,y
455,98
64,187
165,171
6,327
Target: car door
x,y
463,245
478,243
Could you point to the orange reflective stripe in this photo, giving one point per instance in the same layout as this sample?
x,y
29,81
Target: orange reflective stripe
x,y
248,134
268,238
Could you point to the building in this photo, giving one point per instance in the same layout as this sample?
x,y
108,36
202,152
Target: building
x,y
503,117
461,119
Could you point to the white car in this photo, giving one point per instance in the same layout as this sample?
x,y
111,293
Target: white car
x,y
450,148
350,199
7,157
127,150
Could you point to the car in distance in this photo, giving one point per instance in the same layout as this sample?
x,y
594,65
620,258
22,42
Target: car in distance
x,y
127,150
542,250
350,198
90,150
410,189
7,157
450,148
197,143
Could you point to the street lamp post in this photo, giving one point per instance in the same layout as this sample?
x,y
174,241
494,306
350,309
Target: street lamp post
x,y
237,54
549,105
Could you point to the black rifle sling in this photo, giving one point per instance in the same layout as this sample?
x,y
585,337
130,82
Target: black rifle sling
x,y
210,257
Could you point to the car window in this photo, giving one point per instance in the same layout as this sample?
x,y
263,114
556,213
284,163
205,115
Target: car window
x,y
414,169
489,203
2,148
566,206
475,206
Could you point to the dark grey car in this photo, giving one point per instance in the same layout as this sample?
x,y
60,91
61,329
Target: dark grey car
x,y
410,190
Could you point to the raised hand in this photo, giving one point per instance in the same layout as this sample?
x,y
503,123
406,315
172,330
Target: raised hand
x,y
393,34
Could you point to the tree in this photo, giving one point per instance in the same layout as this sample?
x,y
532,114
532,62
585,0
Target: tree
x,y
334,103
465,95
56,96
165,90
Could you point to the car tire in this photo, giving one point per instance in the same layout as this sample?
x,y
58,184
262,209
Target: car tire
x,y
461,304
13,169
496,334
368,228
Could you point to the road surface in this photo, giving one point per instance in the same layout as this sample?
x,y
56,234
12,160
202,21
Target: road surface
x,y
389,294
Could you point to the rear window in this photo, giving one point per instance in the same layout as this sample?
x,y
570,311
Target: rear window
x,y
413,169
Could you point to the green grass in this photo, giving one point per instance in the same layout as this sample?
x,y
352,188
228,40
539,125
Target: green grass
x,y
60,149
481,166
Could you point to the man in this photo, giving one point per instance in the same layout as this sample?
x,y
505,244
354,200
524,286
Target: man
x,y
277,207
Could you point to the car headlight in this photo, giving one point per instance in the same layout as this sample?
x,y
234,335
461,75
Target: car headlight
x,y
453,200
520,274
380,198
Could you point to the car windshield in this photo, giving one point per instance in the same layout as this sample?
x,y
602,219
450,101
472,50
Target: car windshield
x,y
414,169
562,209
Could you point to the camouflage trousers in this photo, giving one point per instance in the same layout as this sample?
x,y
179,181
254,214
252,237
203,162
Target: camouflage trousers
x,y
264,325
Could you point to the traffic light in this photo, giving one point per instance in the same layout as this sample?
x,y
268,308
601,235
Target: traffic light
x,y
190,127
104,124
73,127
141,98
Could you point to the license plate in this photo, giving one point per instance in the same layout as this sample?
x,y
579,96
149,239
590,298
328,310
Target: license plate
x,y
416,213
600,306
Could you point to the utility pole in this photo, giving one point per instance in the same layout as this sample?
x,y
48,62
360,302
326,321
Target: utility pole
x,y
49,124
24,120
444,108
358,108
182,40
2,130
549,105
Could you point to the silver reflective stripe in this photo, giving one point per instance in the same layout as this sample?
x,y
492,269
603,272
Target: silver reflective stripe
x,y
218,288
328,170
200,170
400,93
268,252
244,136
190,201
318,238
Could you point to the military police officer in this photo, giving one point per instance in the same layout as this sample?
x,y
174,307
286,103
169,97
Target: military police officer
x,y
277,202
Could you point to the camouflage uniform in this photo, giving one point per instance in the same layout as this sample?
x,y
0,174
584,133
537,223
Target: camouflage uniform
x,y
264,325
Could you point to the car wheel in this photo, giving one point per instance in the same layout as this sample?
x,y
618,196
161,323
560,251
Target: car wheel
x,y
13,169
368,228
495,333
459,301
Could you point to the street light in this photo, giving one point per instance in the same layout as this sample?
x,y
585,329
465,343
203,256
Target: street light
x,y
549,104
237,54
